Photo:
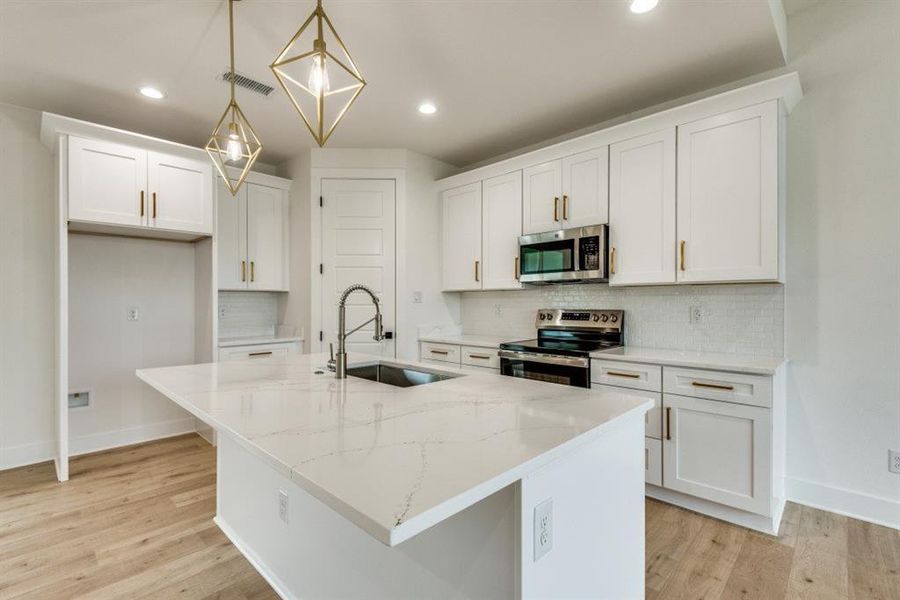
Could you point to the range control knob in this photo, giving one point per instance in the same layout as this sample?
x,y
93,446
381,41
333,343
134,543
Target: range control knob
x,y
605,318
542,316
614,318
549,316
595,318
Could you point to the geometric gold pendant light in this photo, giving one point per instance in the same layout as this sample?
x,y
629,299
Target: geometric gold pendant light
x,y
318,75
233,143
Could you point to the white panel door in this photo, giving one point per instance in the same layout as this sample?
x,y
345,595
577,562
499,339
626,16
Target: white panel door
x,y
231,237
501,227
267,238
107,182
180,193
642,209
728,196
461,238
718,451
358,246
542,197
585,185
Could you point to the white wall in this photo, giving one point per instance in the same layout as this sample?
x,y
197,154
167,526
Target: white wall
x,y
418,255
107,275
27,305
743,319
843,258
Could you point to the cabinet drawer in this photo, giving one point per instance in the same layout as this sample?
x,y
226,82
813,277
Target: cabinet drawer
x,y
653,461
440,352
258,352
480,357
636,376
755,390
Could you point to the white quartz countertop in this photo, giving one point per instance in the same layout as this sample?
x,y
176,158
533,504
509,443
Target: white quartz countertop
x,y
467,339
255,341
741,363
395,461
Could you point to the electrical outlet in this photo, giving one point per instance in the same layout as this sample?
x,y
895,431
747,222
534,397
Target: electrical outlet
x,y
221,312
283,505
498,310
697,314
133,313
417,297
894,466
543,528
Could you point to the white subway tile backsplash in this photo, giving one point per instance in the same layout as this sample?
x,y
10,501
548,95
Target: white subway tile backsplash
x,y
247,314
741,319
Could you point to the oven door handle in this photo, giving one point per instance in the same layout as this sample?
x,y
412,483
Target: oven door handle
x,y
550,359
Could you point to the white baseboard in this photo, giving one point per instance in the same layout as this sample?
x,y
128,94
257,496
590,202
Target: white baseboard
x,y
105,440
27,454
743,518
865,507
251,557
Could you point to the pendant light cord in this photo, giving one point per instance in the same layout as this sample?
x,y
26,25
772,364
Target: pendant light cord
x,y
231,39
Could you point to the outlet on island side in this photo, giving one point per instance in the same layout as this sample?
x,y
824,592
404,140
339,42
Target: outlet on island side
x,y
283,506
697,314
543,528
894,461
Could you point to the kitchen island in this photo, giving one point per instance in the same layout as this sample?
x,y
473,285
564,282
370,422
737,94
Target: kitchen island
x,y
476,486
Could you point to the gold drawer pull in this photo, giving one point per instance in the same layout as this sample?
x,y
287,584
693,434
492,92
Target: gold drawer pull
x,y
252,354
252,271
556,209
481,356
154,205
565,207
681,251
668,422
477,269
243,270
612,261
516,269
142,203
618,374
713,386
442,352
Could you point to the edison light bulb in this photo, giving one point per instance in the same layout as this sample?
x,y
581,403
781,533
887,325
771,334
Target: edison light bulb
x,y
318,75
233,148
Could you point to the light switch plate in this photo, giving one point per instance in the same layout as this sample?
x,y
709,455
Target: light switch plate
x,y
133,313
543,528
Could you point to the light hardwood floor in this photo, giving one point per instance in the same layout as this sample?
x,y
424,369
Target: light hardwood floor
x,y
136,523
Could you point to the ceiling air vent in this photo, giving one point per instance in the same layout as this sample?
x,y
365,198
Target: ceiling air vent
x,y
247,83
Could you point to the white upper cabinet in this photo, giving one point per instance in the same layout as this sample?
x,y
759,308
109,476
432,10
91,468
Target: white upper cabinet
x,y
231,237
267,238
461,238
642,209
107,182
117,184
542,197
728,196
180,193
501,227
585,188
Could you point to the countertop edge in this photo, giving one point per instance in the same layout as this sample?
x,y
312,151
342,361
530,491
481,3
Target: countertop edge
x,y
258,341
695,363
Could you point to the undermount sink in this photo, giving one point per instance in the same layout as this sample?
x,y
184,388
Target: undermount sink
x,y
398,375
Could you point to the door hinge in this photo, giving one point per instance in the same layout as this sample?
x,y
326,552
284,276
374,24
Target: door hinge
x,y
321,337
321,269
321,201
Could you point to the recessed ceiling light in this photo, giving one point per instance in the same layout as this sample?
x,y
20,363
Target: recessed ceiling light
x,y
427,108
152,92
642,6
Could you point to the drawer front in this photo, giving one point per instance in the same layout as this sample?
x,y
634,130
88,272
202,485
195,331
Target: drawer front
x,y
755,390
480,357
653,460
479,370
258,352
635,376
440,352
652,418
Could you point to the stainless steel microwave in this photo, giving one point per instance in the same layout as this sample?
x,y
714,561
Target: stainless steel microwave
x,y
576,255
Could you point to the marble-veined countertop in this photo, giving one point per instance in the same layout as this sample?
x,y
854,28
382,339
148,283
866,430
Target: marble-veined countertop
x,y
395,461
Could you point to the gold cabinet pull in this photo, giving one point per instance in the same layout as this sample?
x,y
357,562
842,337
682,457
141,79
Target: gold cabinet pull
x,y
628,375
681,253
516,269
252,271
480,356
565,207
668,422
713,386
255,354
142,203
243,270
556,208
154,205
441,352
477,274
612,261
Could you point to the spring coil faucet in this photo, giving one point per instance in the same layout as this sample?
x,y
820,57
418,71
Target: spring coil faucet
x,y
338,364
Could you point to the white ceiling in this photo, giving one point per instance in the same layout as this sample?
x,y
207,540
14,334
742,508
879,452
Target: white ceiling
x,y
503,73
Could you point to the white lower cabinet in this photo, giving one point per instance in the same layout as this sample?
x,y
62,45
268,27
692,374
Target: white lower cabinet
x,y
258,351
653,464
473,359
718,451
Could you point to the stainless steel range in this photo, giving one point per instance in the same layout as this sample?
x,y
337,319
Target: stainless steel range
x,y
565,340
